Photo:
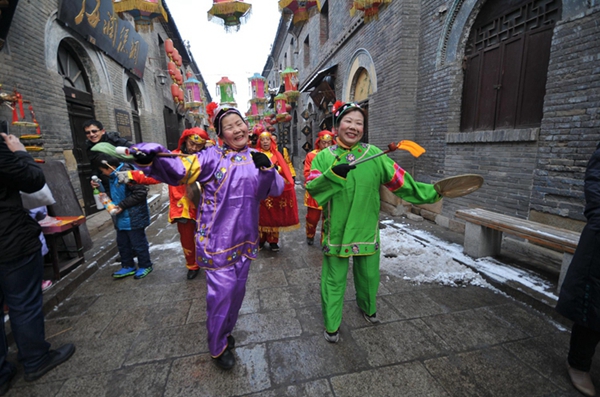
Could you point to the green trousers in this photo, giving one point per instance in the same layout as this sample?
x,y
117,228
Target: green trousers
x,y
333,286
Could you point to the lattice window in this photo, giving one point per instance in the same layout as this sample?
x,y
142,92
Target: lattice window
x,y
506,64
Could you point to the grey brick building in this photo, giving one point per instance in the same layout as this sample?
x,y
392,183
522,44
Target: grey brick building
x,y
505,89
61,66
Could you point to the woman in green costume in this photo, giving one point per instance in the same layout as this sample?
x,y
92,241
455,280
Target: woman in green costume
x,y
349,195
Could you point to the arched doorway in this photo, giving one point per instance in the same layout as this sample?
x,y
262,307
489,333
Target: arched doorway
x,y
361,89
80,106
132,95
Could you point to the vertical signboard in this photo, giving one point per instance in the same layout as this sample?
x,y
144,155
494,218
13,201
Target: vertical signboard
x,y
123,124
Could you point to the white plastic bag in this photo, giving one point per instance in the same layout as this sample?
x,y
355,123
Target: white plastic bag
x,y
38,199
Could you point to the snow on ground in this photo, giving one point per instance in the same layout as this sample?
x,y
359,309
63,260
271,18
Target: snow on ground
x,y
421,257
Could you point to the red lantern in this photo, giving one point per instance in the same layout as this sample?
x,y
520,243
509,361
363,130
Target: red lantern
x,y
180,94
169,47
177,57
288,118
288,108
175,92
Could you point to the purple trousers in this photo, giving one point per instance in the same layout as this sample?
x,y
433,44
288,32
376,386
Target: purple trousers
x,y
224,297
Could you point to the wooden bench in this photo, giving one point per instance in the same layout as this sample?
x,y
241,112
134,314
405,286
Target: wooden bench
x,y
55,228
483,235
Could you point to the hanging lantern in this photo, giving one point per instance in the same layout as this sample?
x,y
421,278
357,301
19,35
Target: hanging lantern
x,y
193,100
175,92
180,95
231,13
176,57
226,89
300,9
169,47
290,79
258,86
143,12
280,105
370,8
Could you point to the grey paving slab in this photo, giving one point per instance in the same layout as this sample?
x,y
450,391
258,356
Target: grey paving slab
x,y
488,372
291,297
413,304
399,342
472,329
160,344
301,359
141,318
411,379
197,313
271,277
547,355
317,388
198,376
462,298
261,327
148,337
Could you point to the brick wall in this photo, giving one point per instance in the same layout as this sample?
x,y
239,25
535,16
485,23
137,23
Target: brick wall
x,y
530,173
28,63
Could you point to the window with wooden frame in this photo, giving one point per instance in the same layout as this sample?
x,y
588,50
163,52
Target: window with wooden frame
x,y
506,63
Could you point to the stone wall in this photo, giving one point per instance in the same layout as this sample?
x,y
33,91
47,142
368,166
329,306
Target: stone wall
x,y
28,63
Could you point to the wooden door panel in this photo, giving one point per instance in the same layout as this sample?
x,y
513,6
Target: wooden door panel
x,y
470,93
535,71
509,85
488,89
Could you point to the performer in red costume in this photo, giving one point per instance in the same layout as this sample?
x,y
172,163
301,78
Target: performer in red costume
x,y
280,213
313,213
182,206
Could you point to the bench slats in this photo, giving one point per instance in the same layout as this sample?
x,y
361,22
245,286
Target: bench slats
x,y
554,237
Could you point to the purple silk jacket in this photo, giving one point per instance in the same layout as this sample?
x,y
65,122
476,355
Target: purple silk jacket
x,y
227,218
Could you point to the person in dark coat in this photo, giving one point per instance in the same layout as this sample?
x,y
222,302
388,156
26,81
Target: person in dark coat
x,y
22,268
95,133
579,298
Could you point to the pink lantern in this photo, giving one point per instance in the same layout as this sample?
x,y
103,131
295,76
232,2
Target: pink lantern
x,y
257,86
193,97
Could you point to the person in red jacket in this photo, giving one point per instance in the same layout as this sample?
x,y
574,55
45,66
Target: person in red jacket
x,y
182,205
313,210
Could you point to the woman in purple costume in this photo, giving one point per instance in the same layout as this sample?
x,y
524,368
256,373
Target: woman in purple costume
x,y
235,179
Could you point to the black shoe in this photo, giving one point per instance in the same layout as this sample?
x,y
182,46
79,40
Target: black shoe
x,y
310,240
274,247
55,358
261,245
230,342
6,385
192,274
226,360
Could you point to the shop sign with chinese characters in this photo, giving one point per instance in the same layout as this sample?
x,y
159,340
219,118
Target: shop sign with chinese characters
x,y
96,21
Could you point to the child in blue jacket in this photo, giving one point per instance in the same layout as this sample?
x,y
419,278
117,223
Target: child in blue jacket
x,y
131,218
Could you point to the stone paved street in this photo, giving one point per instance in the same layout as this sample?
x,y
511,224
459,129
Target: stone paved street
x,y
148,337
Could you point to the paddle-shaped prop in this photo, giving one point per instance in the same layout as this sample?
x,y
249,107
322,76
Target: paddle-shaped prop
x,y
413,148
125,153
459,185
